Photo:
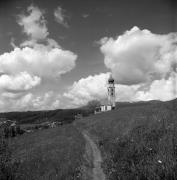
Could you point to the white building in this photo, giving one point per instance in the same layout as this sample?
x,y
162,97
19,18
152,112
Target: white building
x,y
111,99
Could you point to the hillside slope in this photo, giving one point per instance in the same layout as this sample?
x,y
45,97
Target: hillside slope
x,y
55,153
137,140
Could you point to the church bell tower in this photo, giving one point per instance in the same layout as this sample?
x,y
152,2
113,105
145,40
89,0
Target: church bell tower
x,y
111,92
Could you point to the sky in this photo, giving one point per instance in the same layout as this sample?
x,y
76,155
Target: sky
x,y
59,53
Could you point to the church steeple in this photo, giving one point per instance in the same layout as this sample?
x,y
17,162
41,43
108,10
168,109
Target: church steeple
x,y
111,91
110,80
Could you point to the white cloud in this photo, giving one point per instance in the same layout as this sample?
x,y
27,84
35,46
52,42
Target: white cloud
x,y
35,27
95,87
142,63
19,82
38,62
29,101
127,92
48,100
163,89
60,16
86,89
34,23
139,56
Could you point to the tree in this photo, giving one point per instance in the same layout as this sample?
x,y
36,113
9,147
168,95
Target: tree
x,y
91,105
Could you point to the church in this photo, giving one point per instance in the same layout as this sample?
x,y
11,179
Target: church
x,y
110,102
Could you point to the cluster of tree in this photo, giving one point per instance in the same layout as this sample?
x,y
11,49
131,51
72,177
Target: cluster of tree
x,y
91,106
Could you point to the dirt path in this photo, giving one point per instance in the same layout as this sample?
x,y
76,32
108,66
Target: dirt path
x,y
93,153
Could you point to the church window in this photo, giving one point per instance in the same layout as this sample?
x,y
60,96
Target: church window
x,y
112,92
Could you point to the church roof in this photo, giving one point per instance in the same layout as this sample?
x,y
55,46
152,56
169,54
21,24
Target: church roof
x,y
105,102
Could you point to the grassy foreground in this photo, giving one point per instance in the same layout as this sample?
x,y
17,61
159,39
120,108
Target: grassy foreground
x,y
49,154
138,141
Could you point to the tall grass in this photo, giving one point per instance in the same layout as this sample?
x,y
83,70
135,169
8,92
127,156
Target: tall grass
x,y
8,166
49,154
137,142
145,153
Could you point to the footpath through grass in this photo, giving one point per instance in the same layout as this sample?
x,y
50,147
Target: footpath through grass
x,y
138,141
49,154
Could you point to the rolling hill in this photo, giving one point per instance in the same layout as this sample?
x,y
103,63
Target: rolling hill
x,y
55,153
137,140
31,117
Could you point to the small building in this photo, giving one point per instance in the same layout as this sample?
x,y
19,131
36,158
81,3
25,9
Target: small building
x,y
106,107
103,108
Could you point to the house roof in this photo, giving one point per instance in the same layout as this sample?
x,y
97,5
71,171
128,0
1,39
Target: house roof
x,y
105,102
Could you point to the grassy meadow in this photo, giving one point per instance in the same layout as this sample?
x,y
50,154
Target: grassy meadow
x,y
137,140
54,153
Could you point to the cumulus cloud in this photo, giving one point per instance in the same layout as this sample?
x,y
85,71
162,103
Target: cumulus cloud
x,y
139,56
34,23
36,61
19,82
164,89
95,87
142,63
60,16
86,89
35,27
43,59
29,101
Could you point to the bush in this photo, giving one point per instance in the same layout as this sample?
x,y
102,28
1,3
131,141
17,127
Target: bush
x,y
91,105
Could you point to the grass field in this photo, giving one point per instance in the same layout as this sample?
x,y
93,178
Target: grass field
x,y
138,141
49,154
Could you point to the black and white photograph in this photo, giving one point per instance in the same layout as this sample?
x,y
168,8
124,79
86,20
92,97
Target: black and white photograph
x,y
88,89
